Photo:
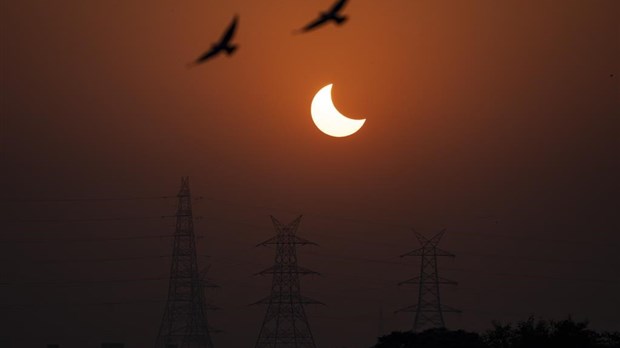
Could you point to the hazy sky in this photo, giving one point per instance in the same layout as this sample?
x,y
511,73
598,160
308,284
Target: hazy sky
x,y
495,120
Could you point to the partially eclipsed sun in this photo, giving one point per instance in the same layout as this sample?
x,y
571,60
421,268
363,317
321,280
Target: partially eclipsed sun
x,y
328,119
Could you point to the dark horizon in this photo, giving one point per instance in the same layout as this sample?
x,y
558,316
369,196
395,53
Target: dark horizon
x,y
334,263
496,121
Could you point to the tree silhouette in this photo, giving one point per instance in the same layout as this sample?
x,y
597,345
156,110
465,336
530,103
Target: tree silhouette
x,y
530,333
500,336
533,333
430,339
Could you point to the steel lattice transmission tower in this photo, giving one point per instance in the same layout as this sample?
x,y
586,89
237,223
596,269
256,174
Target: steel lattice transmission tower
x,y
184,324
285,324
429,310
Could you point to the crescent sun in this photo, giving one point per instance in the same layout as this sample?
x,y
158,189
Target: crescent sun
x,y
328,119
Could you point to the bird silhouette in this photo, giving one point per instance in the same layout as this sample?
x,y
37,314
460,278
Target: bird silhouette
x,y
223,45
324,17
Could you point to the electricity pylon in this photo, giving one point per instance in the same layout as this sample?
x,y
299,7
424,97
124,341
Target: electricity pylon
x,y
184,324
429,310
285,324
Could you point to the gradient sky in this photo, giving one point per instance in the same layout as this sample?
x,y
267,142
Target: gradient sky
x,y
495,120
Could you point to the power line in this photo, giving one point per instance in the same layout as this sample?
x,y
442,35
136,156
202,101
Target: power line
x,y
397,261
388,224
408,227
264,207
236,262
538,276
92,199
98,260
70,283
82,240
64,305
90,219
387,282
495,274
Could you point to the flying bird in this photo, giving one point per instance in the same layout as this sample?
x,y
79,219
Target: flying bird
x,y
223,45
324,17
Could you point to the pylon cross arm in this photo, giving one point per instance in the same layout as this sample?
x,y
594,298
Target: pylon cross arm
x,y
448,309
441,252
418,280
303,241
414,280
272,240
442,280
287,269
428,252
272,299
293,240
261,301
416,252
308,300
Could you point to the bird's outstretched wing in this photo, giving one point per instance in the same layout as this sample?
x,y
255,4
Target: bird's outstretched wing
x,y
317,23
210,53
205,56
338,6
226,37
230,32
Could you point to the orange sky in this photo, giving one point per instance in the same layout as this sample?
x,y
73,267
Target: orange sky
x,y
474,108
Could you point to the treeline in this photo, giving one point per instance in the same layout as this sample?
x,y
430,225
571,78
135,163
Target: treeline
x,y
531,333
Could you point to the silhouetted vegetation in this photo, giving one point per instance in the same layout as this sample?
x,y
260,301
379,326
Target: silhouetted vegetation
x,y
431,338
531,333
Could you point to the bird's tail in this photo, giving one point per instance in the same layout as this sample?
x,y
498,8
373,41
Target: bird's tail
x,y
340,19
230,49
